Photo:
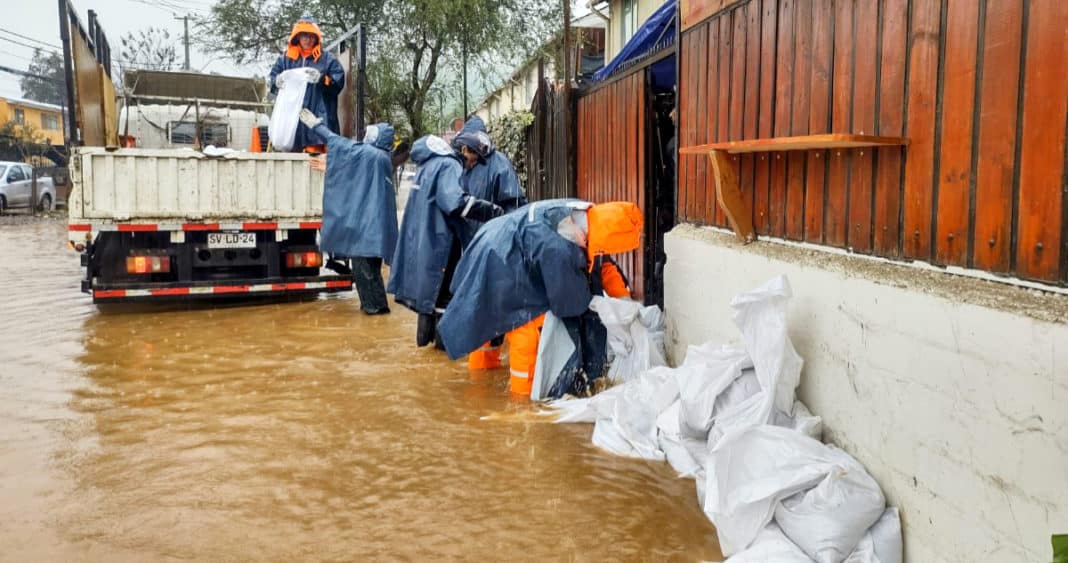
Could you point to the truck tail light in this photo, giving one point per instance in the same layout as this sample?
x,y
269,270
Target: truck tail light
x,y
304,260
148,264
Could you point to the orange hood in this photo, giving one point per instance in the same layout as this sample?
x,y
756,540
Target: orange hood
x,y
293,51
614,228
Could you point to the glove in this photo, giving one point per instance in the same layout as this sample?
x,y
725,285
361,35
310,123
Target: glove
x,y
278,80
481,210
309,119
313,75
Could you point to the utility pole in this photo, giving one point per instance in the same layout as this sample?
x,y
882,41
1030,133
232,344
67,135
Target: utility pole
x,y
185,19
464,57
361,77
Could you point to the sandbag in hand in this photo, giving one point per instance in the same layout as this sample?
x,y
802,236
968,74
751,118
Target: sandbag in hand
x,y
309,119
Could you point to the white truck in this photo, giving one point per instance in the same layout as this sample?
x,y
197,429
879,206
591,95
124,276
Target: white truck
x,y
176,223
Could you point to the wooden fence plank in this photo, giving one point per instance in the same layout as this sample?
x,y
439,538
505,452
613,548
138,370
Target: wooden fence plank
x,y
958,105
819,117
998,98
751,98
835,220
726,42
737,87
920,127
1045,103
799,121
705,120
766,115
784,72
891,122
865,63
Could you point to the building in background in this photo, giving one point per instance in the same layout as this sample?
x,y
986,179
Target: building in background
x,y
46,119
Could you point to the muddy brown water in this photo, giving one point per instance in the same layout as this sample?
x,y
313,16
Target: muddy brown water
x,y
288,431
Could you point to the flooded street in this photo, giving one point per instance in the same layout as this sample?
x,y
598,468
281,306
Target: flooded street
x,y
288,431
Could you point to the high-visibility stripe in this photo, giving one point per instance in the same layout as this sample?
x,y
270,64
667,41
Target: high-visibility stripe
x,y
152,227
219,289
200,226
519,374
260,226
137,228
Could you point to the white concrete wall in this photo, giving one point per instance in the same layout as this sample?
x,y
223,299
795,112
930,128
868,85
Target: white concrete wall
x,y
952,391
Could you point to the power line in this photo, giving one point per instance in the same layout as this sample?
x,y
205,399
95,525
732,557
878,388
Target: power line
x,y
46,44
34,47
16,56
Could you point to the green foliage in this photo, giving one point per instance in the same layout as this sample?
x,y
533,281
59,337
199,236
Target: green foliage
x,y
411,43
1060,548
509,134
48,85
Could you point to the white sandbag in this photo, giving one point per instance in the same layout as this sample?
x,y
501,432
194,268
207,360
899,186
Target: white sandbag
x,y
801,420
555,348
704,375
829,520
770,546
627,414
761,316
882,543
287,105
752,470
686,455
635,336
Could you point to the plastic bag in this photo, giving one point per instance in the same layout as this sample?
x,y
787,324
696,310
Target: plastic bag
x,y
882,543
828,521
555,348
755,468
627,414
635,336
702,378
286,114
770,545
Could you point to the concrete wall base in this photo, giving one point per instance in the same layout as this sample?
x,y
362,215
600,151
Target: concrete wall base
x,y
952,391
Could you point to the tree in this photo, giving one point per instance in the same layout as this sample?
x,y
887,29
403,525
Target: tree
x,y
411,43
47,85
151,48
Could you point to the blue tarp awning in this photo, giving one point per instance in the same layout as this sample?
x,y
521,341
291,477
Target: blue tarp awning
x,y
655,34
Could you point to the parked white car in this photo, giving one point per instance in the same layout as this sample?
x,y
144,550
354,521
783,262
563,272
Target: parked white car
x,y
16,188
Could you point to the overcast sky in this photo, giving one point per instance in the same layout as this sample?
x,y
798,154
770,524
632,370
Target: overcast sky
x,y
38,20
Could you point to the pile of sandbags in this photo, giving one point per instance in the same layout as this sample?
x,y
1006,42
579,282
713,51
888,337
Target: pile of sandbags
x,y
728,418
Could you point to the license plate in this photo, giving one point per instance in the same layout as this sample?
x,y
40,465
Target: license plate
x,y
231,240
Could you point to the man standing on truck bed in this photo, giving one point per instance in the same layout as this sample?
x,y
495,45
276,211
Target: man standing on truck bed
x,y
305,50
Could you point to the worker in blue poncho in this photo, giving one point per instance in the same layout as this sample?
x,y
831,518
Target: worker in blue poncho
x,y
548,256
305,50
432,230
359,207
490,175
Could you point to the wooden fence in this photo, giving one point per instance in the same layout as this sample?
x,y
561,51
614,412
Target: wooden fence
x,y
979,87
611,153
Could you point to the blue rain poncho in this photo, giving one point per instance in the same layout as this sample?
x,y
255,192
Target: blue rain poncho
x,y
516,268
493,177
320,98
359,203
430,226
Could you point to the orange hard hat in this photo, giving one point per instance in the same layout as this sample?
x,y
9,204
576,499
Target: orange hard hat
x,y
614,227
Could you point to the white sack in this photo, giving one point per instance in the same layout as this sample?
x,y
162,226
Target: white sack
x,y
287,106
685,454
828,521
755,468
635,336
802,421
627,414
555,348
770,546
704,375
882,543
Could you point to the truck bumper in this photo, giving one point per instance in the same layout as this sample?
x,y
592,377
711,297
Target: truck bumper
x,y
229,289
